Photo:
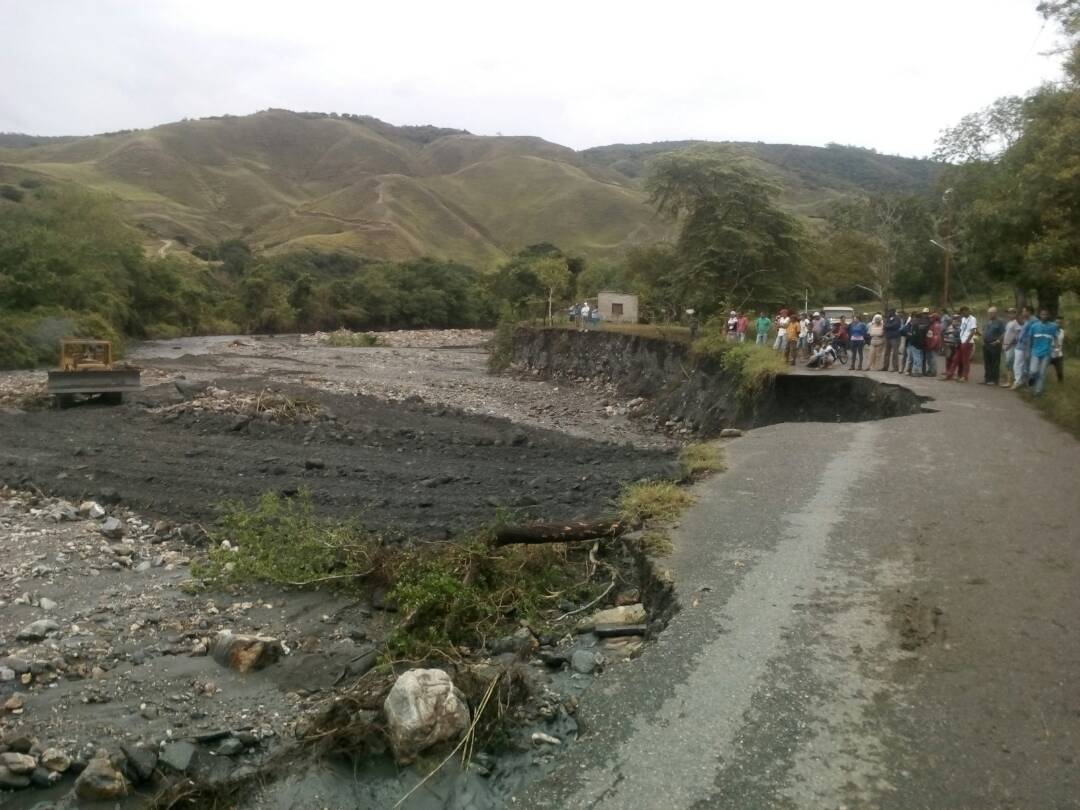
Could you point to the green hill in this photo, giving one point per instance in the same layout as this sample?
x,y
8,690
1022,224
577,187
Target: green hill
x,y
282,180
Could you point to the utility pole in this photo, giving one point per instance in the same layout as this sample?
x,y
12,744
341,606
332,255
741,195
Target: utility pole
x,y
947,238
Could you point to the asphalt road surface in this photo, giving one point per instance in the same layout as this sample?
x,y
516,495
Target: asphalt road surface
x,y
882,614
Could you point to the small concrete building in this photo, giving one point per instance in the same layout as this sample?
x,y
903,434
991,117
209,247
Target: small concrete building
x,y
617,307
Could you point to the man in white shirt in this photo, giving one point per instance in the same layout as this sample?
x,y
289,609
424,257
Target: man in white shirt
x,y
960,365
782,321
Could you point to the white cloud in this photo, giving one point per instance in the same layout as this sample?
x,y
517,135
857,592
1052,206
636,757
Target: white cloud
x,y
885,75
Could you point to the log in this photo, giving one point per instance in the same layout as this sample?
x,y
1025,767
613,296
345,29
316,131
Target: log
x,y
567,532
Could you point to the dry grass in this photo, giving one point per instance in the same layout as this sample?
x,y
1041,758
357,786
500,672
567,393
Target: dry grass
x,y
700,459
653,500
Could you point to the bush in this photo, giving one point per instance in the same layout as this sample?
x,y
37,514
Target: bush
x,y
11,193
343,338
502,347
752,367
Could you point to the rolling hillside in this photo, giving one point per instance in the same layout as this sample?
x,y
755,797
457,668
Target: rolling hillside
x,y
284,180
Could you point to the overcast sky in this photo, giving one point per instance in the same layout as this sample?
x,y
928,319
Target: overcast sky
x,y
887,75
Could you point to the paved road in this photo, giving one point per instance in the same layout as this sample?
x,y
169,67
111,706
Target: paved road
x,y
882,614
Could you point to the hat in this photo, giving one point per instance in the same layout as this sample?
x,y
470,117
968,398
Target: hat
x,y
733,312
817,314
926,310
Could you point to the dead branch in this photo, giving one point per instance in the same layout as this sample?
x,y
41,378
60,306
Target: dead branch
x,y
567,532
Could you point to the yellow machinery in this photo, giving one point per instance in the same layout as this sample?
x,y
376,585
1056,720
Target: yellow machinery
x,y
86,369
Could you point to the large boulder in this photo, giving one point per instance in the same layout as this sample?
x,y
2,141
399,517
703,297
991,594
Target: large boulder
x,y
100,781
246,653
424,708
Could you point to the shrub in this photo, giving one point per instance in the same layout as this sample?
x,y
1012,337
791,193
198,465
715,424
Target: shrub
x,y
343,339
752,367
11,193
502,347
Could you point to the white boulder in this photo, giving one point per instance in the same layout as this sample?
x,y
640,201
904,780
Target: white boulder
x,y
424,708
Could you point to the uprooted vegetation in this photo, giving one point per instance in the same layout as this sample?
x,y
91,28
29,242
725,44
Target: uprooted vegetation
x,y
452,597
267,404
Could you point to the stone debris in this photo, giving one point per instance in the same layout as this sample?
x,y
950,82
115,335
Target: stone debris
x,y
730,433
36,631
585,662
246,653
423,709
100,781
622,615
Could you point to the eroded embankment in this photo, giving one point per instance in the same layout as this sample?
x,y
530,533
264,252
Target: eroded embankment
x,y
697,390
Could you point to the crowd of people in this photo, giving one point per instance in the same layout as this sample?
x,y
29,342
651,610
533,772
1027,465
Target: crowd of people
x,y
918,343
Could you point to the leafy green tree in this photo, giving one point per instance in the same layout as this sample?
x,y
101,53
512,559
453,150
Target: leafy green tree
x,y
735,244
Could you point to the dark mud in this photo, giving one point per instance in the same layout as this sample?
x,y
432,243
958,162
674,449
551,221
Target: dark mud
x,y
414,466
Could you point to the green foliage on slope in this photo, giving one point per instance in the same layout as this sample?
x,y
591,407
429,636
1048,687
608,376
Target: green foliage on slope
x,y
284,181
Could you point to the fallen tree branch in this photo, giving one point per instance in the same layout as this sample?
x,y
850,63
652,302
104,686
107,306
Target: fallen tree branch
x,y
567,532
583,608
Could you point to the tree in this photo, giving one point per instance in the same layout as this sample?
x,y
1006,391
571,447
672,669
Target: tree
x,y
555,276
878,243
735,244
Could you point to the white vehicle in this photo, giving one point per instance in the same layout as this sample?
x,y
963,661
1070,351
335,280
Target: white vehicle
x,y
834,314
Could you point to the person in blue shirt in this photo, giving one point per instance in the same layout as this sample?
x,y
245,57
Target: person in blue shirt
x,y
1042,334
857,341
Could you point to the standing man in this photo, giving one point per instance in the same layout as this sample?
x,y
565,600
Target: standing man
x,y
918,330
960,364
585,312
791,350
892,341
1057,357
743,325
993,336
782,321
1022,355
1043,333
733,326
1008,344
761,327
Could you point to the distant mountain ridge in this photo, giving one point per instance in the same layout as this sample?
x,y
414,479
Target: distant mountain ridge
x,y
284,180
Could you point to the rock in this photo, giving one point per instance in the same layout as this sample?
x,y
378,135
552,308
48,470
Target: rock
x,y
162,528
14,703
112,528
143,567
584,662
18,763
92,510
19,742
522,641
13,781
7,674
314,464
55,760
36,631
100,781
539,737
246,653
61,511
626,614
730,433
43,777
622,647
230,747
140,763
109,495
46,604
423,709
177,756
